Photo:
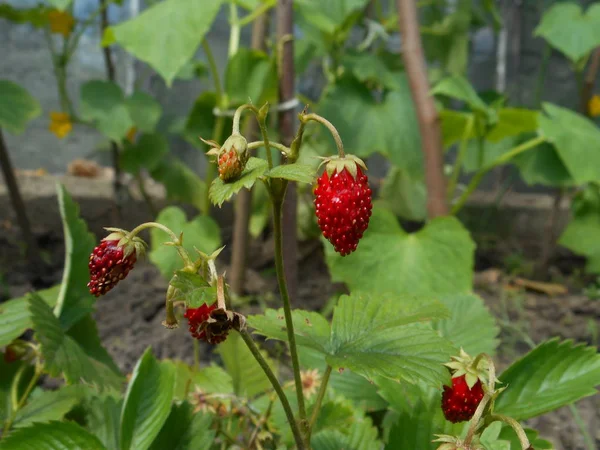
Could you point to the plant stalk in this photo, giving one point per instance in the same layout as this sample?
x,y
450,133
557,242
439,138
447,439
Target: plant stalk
x,y
320,397
277,387
330,127
523,440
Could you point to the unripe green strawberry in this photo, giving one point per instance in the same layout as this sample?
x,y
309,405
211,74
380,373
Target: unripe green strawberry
x,y
343,203
232,157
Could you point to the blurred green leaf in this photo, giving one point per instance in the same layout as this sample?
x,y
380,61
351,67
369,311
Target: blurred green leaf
x,y
220,191
167,34
362,435
554,374
513,122
36,16
147,402
247,376
202,232
371,68
145,111
60,4
251,76
543,166
569,30
577,141
459,88
405,195
437,259
201,121
210,380
185,430
181,183
329,17
52,436
102,103
536,442
146,153
366,126
17,107
49,405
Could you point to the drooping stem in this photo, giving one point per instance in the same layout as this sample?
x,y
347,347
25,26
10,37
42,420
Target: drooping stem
x,y
336,136
484,170
491,369
276,386
14,393
238,114
287,308
523,440
234,34
320,396
282,148
175,240
474,425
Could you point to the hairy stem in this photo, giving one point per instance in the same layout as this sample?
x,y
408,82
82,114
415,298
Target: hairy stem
x,y
523,440
276,386
336,136
176,240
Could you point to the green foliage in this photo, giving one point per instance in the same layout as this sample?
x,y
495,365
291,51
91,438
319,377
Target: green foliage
x,y
251,76
36,16
181,183
103,103
145,111
362,435
373,69
14,314
367,126
552,375
62,353
466,310
331,17
438,259
372,336
577,141
293,172
404,194
220,191
459,88
60,4
167,34
147,403
508,434
201,121
49,406
52,436
146,153
246,375
17,107
201,232
193,289
569,30
103,417
211,379
74,300
185,430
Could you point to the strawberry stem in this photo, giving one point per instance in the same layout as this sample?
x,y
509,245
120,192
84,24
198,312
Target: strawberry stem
x,y
523,440
261,117
282,148
336,136
491,370
476,419
238,114
176,242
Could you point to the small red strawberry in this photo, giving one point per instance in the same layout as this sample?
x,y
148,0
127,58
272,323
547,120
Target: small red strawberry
x,y
112,260
208,323
343,203
459,402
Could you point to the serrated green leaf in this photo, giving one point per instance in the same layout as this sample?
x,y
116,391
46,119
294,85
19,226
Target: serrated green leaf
x,y
577,141
146,153
293,172
14,314
167,34
438,259
51,436
145,111
465,310
193,289
74,299
103,415
49,405
420,416
17,107
569,30
251,76
247,376
371,335
362,435
380,336
335,415
185,430
202,232
62,354
391,125
147,402
103,103
181,183
220,191
552,375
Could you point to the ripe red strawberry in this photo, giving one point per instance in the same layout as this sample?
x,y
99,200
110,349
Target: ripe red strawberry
x,y
343,203
203,326
112,260
459,402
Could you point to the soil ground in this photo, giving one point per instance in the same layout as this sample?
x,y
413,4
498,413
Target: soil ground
x,y
129,318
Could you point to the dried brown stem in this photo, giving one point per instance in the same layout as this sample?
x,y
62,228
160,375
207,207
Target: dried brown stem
x,y
429,122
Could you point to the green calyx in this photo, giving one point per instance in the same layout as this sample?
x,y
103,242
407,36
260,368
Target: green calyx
x,y
336,164
130,244
473,369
